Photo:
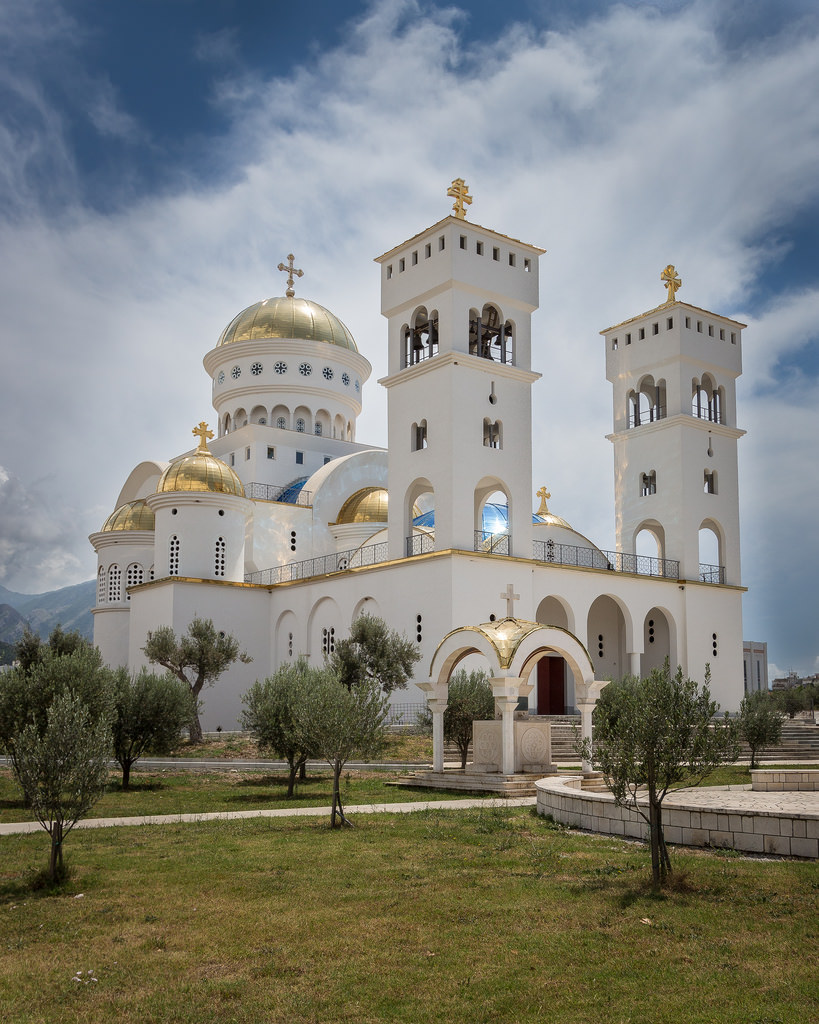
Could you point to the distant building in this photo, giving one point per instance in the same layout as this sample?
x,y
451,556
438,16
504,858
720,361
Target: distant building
x,y
793,679
755,665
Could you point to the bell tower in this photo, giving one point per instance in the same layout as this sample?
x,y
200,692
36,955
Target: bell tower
x,y
674,372
458,299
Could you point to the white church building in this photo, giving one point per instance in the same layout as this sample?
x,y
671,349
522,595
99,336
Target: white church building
x,y
282,527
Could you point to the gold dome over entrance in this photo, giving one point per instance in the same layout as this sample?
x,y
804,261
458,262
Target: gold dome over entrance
x,y
200,471
288,317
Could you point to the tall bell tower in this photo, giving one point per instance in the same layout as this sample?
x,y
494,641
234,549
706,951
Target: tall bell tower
x,y
674,372
459,299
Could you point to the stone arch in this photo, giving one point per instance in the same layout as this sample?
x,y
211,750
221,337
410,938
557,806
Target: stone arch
x,y
711,542
321,425
302,420
659,640
287,645
554,611
418,488
226,424
456,646
609,632
649,532
487,488
324,615
258,414
239,418
280,417
338,426
366,606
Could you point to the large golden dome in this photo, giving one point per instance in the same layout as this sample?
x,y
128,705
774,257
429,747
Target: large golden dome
x,y
369,505
134,515
288,318
200,472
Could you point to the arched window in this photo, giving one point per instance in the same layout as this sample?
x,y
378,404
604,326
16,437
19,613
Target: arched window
x,y
173,556
421,340
114,584
418,436
101,586
710,482
300,425
488,334
492,434
281,422
134,575
318,429
648,483
219,558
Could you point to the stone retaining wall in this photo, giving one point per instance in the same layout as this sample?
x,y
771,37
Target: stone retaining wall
x,y
789,780
783,834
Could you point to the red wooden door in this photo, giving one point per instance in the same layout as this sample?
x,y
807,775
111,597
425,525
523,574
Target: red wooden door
x,y
551,673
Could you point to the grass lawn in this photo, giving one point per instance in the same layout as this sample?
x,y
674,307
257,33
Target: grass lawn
x,y
176,792
407,747
492,915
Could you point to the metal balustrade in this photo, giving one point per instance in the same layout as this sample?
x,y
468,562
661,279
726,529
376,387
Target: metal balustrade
x,y
420,544
323,565
712,573
274,492
492,543
613,561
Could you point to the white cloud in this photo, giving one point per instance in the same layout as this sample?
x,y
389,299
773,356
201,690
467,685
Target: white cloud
x,y
620,145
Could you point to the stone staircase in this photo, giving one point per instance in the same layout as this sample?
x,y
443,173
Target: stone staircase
x,y
800,742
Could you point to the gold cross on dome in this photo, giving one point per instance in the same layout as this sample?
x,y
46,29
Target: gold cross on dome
x,y
543,494
510,597
204,436
672,282
290,270
459,191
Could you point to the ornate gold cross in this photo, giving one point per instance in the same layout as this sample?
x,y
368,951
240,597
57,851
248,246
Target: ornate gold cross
x,y
543,494
459,191
290,270
671,281
204,436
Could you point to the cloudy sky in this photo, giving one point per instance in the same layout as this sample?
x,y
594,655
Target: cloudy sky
x,y
158,158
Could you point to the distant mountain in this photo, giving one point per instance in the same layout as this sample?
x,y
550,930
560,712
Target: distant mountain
x,y
6,653
69,607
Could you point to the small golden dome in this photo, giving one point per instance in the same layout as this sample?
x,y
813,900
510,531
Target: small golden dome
x,y
200,471
550,519
135,515
369,505
288,318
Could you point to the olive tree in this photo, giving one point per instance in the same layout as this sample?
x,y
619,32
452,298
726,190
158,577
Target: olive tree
x,y
470,699
374,652
149,713
759,722
61,765
345,722
198,656
652,733
278,710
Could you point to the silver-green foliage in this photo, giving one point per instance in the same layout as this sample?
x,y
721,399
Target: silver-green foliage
x,y
279,711
149,714
651,734
760,722
62,768
469,700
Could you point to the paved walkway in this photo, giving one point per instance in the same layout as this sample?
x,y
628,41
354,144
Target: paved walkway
x,y
18,827
743,798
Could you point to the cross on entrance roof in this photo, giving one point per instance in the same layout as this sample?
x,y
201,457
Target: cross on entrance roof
x,y
510,597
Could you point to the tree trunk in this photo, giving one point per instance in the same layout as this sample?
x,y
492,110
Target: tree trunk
x,y
464,747
336,796
55,864
303,770
655,837
291,779
126,774
195,727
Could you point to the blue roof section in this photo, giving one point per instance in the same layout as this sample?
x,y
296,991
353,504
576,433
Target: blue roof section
x,y
291,493
495,518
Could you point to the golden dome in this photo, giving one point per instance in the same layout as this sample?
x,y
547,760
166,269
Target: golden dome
x,y
369,505
200,472
288,318
550,519
135,515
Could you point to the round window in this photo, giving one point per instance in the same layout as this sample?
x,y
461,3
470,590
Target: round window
x,y
256,369
221,378
327,373
236,372
305,369
345,379
280,367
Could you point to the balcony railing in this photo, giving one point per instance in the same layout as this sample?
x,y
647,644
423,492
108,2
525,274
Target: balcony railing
x,y
613,561
492,543
712,573
420,544
274,492
338,561
638,418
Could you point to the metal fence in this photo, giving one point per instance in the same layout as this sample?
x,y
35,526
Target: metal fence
x,y
712,573
420,544
613,561
274,492
338,561
492,543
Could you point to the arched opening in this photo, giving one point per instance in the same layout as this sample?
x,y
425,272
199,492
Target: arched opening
x,y
606,638
649,408
287,644
418,522
101,586
649,542
321,426
656,641
280,417
554,689
338,426
239,419
492,433
488,334
324,628
711,549
420,340
492,512
226,424
302,420
258,414
418,436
